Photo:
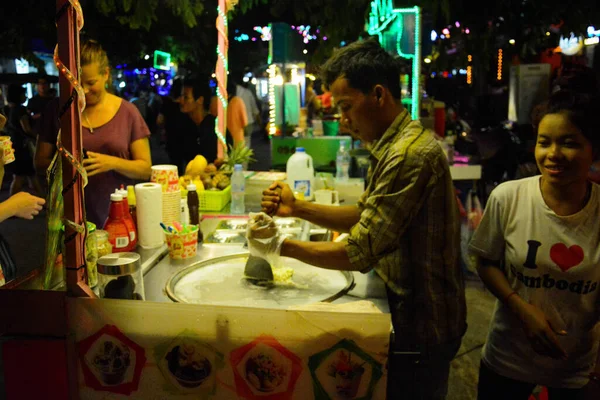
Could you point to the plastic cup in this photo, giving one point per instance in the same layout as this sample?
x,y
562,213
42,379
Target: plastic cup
x,y
182,245
8,154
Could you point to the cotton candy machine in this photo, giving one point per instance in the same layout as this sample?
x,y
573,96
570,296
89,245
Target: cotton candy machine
x,y
220,281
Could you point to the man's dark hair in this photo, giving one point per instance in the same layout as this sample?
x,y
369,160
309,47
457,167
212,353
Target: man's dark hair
x,y
364,64
43,77
200,88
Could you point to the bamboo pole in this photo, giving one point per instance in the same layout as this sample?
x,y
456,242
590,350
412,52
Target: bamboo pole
x,y
68,64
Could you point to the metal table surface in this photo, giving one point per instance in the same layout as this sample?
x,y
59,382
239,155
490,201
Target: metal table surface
x,y
158,267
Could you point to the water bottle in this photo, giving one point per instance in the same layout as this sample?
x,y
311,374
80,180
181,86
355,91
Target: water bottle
x,y
238,187
342,163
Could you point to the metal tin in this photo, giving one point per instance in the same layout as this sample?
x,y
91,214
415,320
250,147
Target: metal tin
x,y
119,264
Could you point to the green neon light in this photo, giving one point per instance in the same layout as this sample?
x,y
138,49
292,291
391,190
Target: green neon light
x,y
270,59
380,19
416,78
162,60
381,16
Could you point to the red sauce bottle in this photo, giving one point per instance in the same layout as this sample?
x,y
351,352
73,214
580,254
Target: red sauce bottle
x,y
128,217
117,228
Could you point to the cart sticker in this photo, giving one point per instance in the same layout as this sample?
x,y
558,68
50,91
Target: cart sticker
x,y
110,361
264,369
189,365
344,371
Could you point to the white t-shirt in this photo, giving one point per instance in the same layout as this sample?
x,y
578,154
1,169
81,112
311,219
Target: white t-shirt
x,y
552,262
249,101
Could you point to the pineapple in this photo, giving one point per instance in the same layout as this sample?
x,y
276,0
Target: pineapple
x,y
239,154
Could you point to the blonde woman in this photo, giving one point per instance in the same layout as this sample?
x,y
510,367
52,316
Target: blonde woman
x,y
114,135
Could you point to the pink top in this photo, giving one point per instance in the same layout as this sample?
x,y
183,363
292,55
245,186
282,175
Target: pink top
x,y
113,138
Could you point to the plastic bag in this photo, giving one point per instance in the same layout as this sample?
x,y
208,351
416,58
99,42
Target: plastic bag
x,y
264,238
471,220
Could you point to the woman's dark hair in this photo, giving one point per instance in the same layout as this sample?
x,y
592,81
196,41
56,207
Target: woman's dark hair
x,y
200,88
14,93
582,110
364,64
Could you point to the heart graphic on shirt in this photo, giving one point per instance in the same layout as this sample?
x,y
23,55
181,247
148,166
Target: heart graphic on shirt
x,y
566,257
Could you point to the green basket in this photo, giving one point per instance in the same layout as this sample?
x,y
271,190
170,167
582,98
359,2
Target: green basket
x,y
214,200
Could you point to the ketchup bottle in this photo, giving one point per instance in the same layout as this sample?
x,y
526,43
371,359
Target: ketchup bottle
x,y
116,226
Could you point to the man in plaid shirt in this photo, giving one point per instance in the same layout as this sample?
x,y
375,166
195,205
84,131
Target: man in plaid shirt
x,y
405,226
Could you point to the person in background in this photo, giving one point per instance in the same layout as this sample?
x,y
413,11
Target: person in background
x,y
115,136
237,120
48,127
38,103
311,101
140,99
252,112
18,127
237,116
22,204
194,102
325,100
538,250
175,124
405,226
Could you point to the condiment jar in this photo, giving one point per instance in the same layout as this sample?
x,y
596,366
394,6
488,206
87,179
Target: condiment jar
x,y
120,276
104,246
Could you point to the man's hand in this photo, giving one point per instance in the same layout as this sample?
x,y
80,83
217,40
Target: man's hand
x,y
98,163
540,333
264,238
25,205
278,200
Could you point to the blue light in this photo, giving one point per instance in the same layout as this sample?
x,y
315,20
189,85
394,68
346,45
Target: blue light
x,y
434,36
343,43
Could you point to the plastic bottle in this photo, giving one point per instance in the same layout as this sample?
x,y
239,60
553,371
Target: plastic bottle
x,y
238,189
184,212
128,217
115,225
342,163
301,173
193,205
132,203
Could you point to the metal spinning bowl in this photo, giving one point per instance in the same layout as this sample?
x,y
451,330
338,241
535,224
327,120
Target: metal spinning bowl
x,y
220,281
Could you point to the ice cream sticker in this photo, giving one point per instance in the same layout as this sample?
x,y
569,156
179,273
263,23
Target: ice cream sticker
x,y
343,372
110,361
264,369
188,364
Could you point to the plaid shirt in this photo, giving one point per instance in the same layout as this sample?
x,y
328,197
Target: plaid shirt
x,y
409,232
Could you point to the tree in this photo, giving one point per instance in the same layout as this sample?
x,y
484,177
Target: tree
x,y
127,29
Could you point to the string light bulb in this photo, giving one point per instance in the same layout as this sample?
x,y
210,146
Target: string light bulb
x,y
499,74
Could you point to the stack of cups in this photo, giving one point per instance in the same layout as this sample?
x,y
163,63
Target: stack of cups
x,y
168,178
8,154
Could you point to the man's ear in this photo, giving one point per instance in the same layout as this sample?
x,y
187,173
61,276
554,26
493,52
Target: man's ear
x,y
200,101
379,92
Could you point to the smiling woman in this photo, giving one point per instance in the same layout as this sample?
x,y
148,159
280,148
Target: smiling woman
x,y
114,135
566,146
544,229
